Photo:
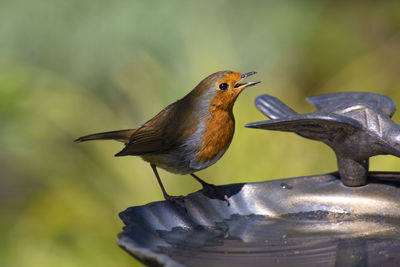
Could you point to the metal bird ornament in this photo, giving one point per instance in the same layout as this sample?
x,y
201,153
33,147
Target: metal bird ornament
x,y
190,134
356,125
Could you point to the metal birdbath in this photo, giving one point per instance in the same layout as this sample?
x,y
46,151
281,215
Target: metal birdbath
x,y
304,221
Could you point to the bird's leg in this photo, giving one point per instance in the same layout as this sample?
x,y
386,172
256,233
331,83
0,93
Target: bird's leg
x,y
175,199
203,183
211,187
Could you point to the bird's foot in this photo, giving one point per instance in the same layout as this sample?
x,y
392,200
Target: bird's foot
x,y
217,191
177,200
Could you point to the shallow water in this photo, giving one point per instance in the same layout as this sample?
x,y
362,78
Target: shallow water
x,y
317,238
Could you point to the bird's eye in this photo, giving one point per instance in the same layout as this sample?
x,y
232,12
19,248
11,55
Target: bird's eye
x,y
223,86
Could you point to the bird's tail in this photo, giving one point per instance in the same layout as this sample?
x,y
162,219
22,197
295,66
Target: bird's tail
x,y
121,136
273,107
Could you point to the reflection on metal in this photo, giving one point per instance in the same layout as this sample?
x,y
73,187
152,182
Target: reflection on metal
x,y
304,221
356,125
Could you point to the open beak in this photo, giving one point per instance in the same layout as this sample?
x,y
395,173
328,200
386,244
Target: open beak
x,y
244,85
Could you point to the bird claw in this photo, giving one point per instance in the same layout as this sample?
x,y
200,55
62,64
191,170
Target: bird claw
x,y
227,200
217,191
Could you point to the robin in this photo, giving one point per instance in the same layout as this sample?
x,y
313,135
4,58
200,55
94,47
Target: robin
x,y
190,134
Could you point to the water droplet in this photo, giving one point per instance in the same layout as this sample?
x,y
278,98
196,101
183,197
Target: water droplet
x,y
286,186
296,252
266,241
283,236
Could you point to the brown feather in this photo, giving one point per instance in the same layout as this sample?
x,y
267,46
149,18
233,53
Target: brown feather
x,y
166,131
121,136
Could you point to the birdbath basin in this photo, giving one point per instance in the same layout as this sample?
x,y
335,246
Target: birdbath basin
x,y
304,221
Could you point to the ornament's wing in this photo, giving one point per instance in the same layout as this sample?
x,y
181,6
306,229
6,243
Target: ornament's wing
x,y
272,107
340,102
314,126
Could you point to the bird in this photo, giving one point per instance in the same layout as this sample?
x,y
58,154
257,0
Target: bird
x,y
188,135
356,125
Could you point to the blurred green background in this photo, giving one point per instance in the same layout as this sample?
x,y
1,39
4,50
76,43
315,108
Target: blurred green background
x,y
69,68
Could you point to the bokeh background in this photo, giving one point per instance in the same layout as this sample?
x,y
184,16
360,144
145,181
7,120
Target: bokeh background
x,y
69,68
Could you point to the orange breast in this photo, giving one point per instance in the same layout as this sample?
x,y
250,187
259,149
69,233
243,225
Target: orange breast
x,y
219,130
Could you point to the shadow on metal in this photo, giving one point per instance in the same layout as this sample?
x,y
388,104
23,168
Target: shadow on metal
x,y
305,221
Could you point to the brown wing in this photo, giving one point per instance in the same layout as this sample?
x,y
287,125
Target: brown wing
x,y
162,133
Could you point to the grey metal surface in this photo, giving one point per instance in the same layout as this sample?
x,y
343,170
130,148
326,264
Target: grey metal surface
x,y
305,221
356,125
